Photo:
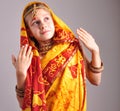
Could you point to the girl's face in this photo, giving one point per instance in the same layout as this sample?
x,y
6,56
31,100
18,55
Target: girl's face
x,y
41,26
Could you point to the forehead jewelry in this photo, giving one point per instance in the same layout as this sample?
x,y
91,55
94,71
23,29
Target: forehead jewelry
x,y
34,10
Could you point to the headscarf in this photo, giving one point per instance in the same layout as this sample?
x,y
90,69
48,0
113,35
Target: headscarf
x,y
35,84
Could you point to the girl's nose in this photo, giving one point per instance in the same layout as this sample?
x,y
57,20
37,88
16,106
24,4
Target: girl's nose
x,y
43,26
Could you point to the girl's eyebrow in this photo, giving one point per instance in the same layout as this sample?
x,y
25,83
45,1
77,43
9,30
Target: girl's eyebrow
x,y
34,18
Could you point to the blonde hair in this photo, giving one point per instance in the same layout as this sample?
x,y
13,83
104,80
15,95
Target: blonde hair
x,y
33,7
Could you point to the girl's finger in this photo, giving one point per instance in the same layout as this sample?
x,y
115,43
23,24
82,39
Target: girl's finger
x,y
24,50
13,60
29,51
31,55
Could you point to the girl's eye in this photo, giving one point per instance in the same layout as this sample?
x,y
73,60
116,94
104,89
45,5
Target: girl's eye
x,y
46,18
36,22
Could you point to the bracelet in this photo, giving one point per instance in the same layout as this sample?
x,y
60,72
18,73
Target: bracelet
x,y
95,69
19,92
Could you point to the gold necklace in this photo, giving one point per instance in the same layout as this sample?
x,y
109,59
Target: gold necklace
x,y
45,46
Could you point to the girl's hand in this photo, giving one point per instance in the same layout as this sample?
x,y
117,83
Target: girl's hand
x,y
87,40
22,63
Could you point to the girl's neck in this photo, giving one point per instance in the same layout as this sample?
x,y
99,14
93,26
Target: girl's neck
x,y
45,46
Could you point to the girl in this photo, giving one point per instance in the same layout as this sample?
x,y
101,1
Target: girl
x,y
51,68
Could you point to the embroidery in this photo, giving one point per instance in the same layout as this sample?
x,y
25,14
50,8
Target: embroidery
x,y
63,36
73,70
57,64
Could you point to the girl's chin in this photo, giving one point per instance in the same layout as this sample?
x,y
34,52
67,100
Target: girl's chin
x,y
44,39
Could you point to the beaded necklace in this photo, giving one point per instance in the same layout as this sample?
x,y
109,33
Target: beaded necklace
x,y
45,46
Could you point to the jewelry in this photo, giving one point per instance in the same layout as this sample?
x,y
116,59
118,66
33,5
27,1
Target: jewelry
x,y
95,69
45,46
34,11
19,92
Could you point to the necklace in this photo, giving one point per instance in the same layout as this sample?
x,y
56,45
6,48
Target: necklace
x,y
45,46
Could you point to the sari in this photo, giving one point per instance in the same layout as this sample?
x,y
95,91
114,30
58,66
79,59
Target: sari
x,y
57,81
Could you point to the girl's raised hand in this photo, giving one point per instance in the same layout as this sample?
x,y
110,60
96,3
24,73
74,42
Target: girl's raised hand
x,y
23,60
87,40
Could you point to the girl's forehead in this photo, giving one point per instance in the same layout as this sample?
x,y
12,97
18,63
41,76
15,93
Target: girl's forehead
x,y
37,14
33,9
40,11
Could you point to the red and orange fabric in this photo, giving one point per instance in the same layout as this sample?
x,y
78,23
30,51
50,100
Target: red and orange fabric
x,y
57,81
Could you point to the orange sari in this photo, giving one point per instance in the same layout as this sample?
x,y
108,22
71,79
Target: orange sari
x,y
57,81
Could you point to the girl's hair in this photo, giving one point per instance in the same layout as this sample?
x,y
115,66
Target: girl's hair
x,y
33,7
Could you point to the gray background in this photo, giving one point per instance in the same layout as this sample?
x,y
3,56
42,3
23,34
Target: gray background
x,y
99,17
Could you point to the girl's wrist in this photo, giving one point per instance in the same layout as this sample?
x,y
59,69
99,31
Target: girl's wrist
x,y
20,80
96,60
96,51
19,91
20,84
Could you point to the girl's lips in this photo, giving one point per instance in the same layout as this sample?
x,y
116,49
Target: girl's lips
x,y
44,32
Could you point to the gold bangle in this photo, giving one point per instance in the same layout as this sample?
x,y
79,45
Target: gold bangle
x,y
95,69
19,92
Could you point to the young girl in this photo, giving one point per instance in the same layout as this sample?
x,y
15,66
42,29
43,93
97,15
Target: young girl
x,y
51,68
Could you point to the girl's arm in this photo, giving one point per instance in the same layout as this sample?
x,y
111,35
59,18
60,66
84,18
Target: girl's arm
x,y
21,64
95,67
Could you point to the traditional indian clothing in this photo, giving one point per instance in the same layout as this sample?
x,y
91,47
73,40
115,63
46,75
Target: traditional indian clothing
x,y
57,81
